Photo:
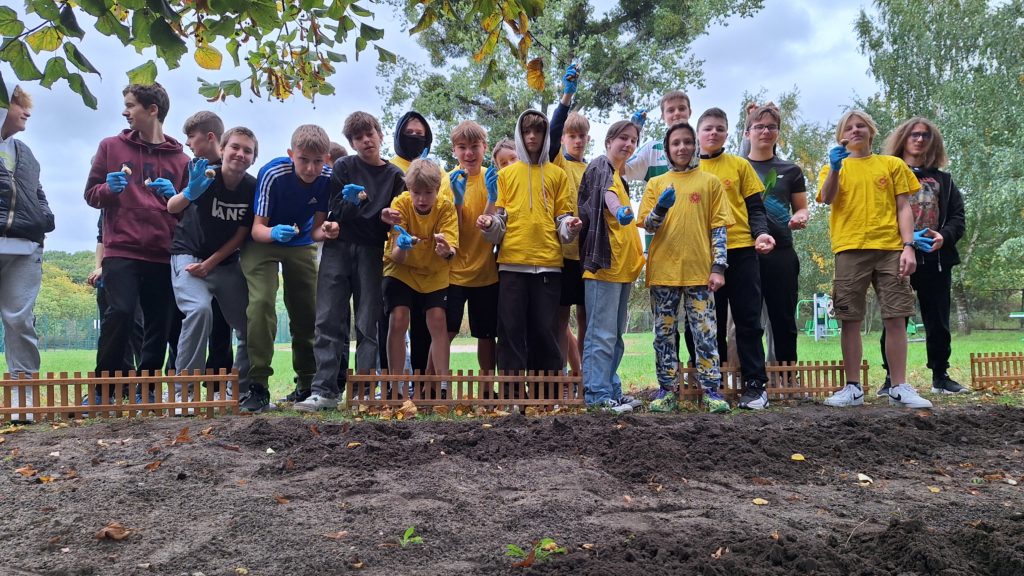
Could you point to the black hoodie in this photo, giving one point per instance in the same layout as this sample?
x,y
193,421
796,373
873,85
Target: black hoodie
x,y
406,146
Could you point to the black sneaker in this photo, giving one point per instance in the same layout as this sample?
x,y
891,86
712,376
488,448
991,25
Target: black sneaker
x,y
295,396
946,385
255,401
754,396
884,390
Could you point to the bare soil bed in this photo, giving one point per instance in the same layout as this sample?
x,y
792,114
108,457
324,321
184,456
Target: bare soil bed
x,y
639,494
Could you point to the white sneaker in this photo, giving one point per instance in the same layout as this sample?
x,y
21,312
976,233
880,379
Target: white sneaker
x,y
614,407
850,395
632,401
225,395
181,411
316,402
16,399
905,395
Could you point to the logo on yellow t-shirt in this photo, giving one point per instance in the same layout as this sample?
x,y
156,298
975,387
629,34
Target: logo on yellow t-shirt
x,y
695,198
882,183
727,183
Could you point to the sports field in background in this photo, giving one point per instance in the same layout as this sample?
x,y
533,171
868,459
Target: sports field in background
x,y
637,368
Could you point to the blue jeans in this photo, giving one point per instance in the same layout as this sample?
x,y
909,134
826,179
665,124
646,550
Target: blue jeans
x,y
607,304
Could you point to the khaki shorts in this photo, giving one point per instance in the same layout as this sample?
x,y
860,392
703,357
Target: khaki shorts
x,y
855,269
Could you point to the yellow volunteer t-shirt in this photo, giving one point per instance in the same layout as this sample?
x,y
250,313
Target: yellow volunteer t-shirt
x,y
423,270
446,184
627,254
863,215
474,264
739,181
680,253
531,236
574,171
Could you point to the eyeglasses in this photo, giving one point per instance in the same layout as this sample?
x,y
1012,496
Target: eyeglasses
x,y
920,135
764,128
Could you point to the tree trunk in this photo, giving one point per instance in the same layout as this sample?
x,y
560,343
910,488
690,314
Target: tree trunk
x,y
963,312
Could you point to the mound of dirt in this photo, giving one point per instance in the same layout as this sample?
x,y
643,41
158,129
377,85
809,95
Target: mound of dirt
x,y
639,494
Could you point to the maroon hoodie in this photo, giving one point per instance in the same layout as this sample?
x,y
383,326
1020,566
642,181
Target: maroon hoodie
x,y
136,223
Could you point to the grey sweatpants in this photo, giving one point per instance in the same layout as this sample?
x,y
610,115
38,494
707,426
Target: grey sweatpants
x,y
347,272
195,300
20,278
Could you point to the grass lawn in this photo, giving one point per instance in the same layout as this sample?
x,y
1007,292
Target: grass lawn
x,y
637,368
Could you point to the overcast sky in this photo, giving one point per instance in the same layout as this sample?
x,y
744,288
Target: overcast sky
x,y
810,45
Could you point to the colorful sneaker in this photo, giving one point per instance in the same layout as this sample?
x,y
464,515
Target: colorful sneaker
x,y
884,390
665,401
850,395
754,397
715,402
905,395
612,407
946,385
316,403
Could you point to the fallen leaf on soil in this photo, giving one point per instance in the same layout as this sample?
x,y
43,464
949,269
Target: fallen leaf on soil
x,y
775,535
15,452
1011,481
864,479
241,482
182,437
2,440
289,464
441,411
532,411
759,501
486,426
934,489
362,408
58,425
353,444
528,561
499,413
281,499
336,535
232,447
588,546
11,429
241,571
757,480
102,444
966,465
154,465
55,454
113,531
71,474
207,432
385,413
797,457
355,563
627,499
994,477
270,451
973,492
26,470
480,411
408,410
153,450
314,429
46,479
719,553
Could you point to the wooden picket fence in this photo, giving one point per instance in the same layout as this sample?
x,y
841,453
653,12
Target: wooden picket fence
x,y
549,389
997,371
145,393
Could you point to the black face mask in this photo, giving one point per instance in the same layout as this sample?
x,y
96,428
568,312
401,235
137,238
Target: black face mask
x,y
412,145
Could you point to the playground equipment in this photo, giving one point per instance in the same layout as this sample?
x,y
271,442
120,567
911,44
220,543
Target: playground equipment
x,y
822,323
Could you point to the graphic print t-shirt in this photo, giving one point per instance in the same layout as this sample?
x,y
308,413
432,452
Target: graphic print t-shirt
x,y
925,203
210,221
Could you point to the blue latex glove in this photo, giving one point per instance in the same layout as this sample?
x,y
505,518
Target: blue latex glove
x,y
835,157
624,215
491,181
458,181
163,186
282,233
426,153
639,118
667,198
350,193
922,242
117,181
405,240
198,182
571,79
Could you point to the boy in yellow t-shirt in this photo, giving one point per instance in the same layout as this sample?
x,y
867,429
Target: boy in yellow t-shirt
x,y
686,264
872,227
416,263
474,271
612,259
746,238
532,217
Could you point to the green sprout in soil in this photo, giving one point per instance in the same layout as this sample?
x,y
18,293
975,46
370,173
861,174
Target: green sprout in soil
x,y
542,551
409,538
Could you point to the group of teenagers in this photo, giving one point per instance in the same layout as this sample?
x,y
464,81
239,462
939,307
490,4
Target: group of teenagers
x,y
193,249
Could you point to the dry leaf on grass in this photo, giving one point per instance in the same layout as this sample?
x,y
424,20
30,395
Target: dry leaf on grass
x,y
113,531
281,499
26,470
336,535
408,410
441,411
11,429
154,465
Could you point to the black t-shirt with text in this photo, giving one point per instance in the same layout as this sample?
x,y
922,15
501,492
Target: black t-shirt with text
x,y
212,220
781,180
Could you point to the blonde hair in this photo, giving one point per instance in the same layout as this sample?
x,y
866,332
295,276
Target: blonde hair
x,y
21,98
469,132
845,119
503,144
935,151
311,138
423,174
576,123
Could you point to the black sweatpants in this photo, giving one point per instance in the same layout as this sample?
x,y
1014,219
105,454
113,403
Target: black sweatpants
x,y
742,291
780,286
528,321
933,288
